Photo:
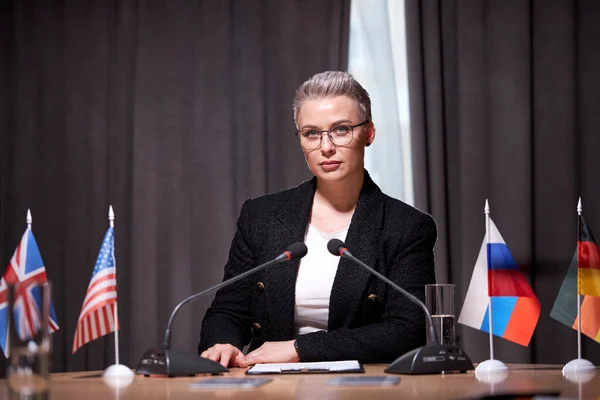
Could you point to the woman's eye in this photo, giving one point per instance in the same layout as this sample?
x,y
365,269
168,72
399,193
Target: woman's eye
x,y
341,130
312,134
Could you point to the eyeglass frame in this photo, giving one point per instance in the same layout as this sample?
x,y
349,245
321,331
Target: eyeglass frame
x,y
328,131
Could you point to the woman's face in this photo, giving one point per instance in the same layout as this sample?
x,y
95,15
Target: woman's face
x,y
331,162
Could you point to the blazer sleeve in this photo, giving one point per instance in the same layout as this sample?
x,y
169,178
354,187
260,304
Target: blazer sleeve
x,y
228,319
403,323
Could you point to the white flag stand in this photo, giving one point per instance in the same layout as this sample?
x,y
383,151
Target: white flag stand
x,y
490,366
117,375
575,368
491,377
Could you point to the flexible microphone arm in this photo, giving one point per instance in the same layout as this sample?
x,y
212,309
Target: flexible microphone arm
x,y
296,250
434,358
338,248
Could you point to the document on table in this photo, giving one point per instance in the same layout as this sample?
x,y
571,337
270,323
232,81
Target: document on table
x,y
354,380
307,367
230,383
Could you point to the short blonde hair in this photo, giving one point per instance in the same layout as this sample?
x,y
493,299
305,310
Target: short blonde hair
x,y
332,84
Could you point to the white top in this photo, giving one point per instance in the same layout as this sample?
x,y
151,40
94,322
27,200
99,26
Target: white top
x,y
315,279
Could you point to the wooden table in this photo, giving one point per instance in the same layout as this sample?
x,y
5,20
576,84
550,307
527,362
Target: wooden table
x,y
521,379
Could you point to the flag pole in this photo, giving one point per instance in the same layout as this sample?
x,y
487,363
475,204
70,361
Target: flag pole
x,y
580,369
579,211
29,220
116,375
487,249
111,220
491,370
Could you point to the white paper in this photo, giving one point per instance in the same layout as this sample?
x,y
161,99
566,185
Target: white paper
x,y
327,366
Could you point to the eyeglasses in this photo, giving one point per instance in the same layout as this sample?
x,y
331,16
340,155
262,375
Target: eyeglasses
x,y
340,135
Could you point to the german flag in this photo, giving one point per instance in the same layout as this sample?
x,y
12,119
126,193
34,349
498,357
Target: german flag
x,y
588,262
584,260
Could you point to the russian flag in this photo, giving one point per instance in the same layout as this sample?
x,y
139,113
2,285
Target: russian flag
x,y
515,308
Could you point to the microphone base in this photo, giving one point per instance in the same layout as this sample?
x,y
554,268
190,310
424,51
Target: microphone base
x,y
431,359
159,361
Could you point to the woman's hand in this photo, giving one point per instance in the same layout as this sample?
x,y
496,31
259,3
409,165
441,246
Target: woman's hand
x,y
227,355
273,352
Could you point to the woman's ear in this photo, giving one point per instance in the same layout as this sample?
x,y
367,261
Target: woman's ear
x,y
370,134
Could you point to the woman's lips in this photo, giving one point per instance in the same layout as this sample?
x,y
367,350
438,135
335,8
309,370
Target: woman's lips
x,y
329,166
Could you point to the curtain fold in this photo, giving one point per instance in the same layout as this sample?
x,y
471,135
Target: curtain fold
x,y
504,107
173,112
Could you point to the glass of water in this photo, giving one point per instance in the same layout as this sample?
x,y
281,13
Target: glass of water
x,y
29,343
439,299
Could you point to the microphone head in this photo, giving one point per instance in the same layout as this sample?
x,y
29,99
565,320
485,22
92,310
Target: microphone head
x,y
297,250
335,247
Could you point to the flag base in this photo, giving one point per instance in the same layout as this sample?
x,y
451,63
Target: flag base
x,y
491,371
118,376
579,370
159,361
431,359
491,367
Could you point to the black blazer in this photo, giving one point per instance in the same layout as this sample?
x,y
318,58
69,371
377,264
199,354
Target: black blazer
x,y
367,320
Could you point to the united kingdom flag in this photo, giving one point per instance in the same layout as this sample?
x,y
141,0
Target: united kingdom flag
x,y
26,268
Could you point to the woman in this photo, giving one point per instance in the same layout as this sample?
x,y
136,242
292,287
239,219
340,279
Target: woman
x,y
323,308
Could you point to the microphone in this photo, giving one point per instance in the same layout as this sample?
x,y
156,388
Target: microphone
x,y
165,361
434,358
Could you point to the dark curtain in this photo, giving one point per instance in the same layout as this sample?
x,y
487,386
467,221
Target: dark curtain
x,y
505,106
174,112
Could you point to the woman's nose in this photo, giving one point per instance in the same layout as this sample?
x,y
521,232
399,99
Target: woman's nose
x,y
327,146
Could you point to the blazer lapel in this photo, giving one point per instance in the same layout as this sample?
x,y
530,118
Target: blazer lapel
x,y
362,240
290,222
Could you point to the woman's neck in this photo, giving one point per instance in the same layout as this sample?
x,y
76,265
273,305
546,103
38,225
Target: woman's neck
x,y
334,203
342,196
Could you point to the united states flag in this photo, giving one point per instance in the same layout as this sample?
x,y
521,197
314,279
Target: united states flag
x,y
26,269
97,316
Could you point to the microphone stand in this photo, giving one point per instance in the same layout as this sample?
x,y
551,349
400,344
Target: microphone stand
x,y
165,361
433,358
